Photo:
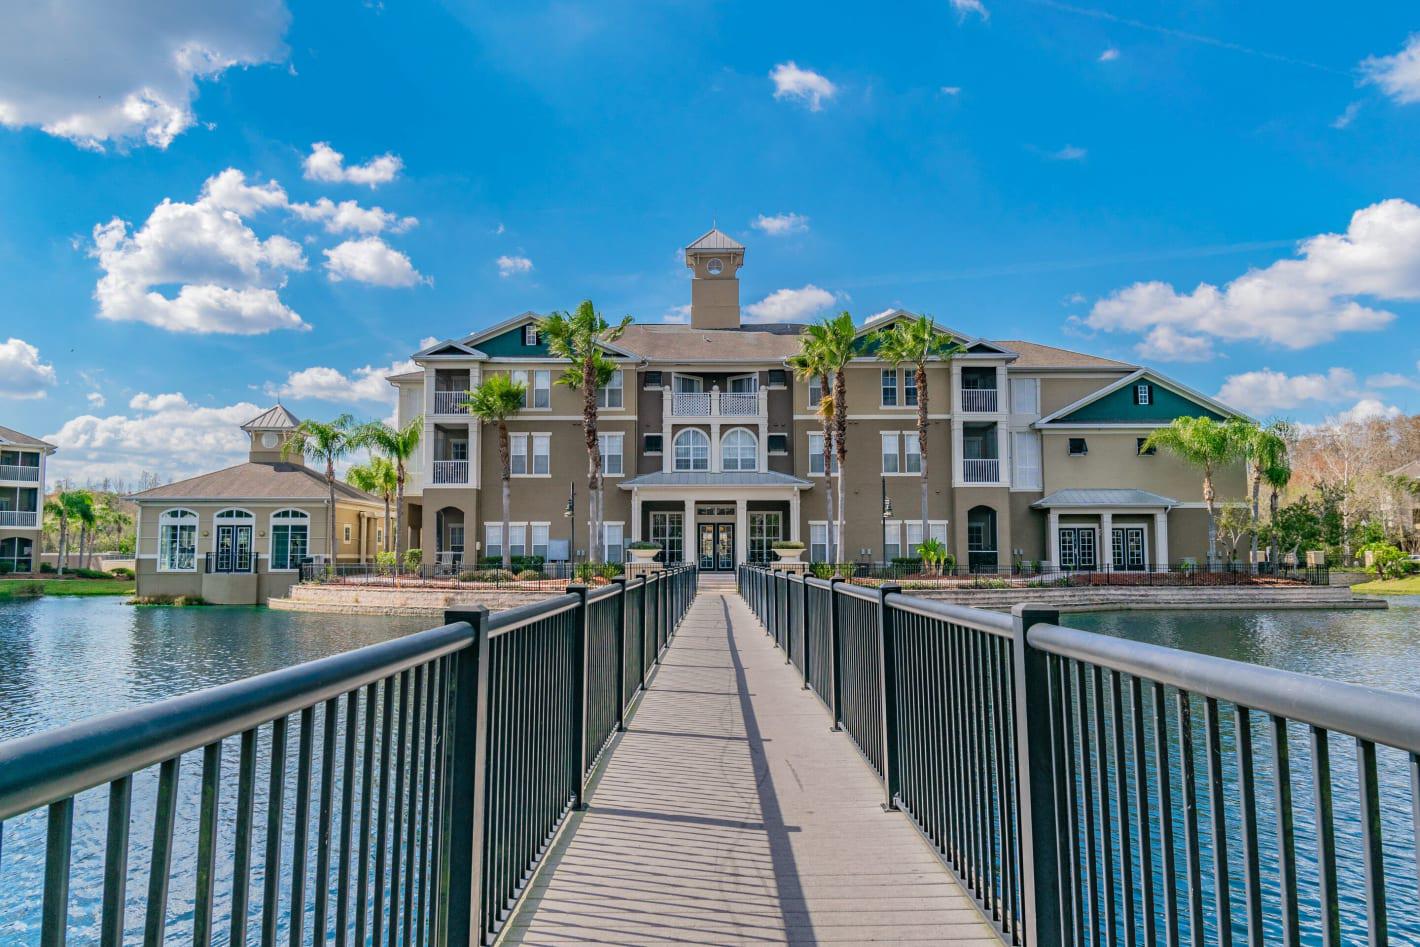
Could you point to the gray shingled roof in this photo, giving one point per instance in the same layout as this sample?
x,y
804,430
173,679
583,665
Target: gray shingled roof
x,y
671,343
256,481
1035,355
704,478
275,418
715,239
11,436
1103,498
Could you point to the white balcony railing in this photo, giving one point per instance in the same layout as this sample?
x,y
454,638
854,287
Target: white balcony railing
x,y
979,400
985,470
18,518
715,403
689,404
739,403
451,471
450,402
20,474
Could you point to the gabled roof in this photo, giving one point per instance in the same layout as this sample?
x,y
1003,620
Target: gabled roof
x,y
704,478
1177,387
767,342
16,439
450,347
715,239
276,418
1104,498
1034,355
972,344
406,378
256,481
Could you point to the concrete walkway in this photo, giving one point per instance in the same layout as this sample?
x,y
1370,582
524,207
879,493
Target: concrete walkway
x,y
730,814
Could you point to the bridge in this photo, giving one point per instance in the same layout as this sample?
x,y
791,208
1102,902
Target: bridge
x,y
787,761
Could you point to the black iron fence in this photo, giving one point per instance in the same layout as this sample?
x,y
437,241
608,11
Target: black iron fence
x,y
1087,789
547,577
428,775
912,574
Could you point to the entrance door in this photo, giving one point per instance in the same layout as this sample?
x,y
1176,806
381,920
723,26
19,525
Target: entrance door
x,y
1077,547
717,547
234,548
1128,548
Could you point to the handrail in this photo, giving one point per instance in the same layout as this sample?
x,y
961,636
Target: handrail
x,y
1365,712
500,623
995,622
41,768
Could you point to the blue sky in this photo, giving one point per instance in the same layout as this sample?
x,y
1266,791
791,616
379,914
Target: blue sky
x,y
1224,191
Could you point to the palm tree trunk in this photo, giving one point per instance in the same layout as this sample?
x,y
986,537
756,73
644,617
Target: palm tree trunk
x,y
63,543
386,543
921,380
594,459
829,546
1256,512
1274,552
330,513
1212,519
504,455
399,514
840,443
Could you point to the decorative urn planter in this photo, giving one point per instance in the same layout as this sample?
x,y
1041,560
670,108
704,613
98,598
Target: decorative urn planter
x,y
644,555
789,555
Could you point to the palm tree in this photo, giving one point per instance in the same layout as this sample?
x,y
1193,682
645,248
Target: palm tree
x,y
840,341
581,338
55,509
1265,449
1207,444
82,511
916,342
1276,475
496,399
378,477
398,445
327,441
808,364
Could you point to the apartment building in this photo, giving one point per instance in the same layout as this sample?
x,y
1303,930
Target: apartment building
x,y
22,463
712,448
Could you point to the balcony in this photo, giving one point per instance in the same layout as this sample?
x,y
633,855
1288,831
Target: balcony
x,y
450,402
17,474
978,400
19,518
981,470
715,403
451,471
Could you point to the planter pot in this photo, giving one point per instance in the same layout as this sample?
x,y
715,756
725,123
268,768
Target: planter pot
x,y
644,555
789,555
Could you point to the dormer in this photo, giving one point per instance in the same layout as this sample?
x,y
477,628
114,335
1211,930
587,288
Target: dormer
x,y
269,431
715,259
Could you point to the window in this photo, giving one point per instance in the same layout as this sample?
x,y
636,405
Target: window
x,y
1025,455
816,454
1078,447
911,453
650,379
493,540
1025,396
539,539
530,334
764,529
518,455
379,535
739,450
779,443
689,384
744,384
177,541
818,542
778,378
345,535
666,529
892,540
815,392
517,539
542,454
692,450
290,536
889,386
609,395
936,528
1143,394
654,443
892,459
458,449
610,445
518,460
537,387
613,541
17,553
909,388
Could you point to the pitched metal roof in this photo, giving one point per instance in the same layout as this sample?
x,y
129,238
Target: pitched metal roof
x,y
716,239
256,481
11,436
1103,498
276,418
704,478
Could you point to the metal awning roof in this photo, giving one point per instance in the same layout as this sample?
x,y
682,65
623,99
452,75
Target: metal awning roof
x,y
1103,498
705,478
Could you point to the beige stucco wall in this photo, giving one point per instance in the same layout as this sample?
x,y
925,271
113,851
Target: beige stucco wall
x,y
865,392
1113,461
150,512
1056,391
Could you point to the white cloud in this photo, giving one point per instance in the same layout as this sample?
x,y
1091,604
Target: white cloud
x,y
882,314
365,384
513,265
1294,303
965,8
790,305
679,315
96,399
805,85
780,225
1167,344
226,276
125,71
1394,379
951,90
324,163
1069,153
22,374
1367,409
1398,75
349,215
166,434
370,260
1347,116
1266,391
1109,55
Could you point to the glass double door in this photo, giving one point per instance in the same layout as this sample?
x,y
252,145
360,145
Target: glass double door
x,y
717,547
233,549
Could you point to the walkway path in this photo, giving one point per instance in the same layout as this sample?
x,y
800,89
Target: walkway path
x,y
730,814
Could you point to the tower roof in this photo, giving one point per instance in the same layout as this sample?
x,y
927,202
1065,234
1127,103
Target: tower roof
x,y
716,239
275,418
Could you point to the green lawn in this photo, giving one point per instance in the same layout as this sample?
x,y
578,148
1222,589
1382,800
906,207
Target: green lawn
x,y
1410,585
12,588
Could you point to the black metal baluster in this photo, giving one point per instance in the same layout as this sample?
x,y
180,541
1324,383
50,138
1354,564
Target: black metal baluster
x,y
1071,825
1286,837
367,779
120,803
1087,782
276,792
347,817
1371,848
301,830
1218,821
1325,838
241,871
320,928
377,913
206,848
1190,818
412,806
161,858
1141,804
1242,725
1162,754
1121,795
59,836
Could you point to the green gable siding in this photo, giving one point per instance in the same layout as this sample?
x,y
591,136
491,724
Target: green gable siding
x,y
510,345
1118,407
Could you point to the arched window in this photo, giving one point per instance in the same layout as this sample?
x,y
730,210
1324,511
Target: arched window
x,y
290,538
177,541
739,450
16,555
692,450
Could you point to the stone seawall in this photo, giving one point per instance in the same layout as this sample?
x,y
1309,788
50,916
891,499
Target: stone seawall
x,y
362,600
1101,598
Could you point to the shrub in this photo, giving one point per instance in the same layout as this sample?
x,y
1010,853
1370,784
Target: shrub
x,y
6,568
913,563
413,559
591,571
1386,561
786,544
530,575
122,572
646,544
90,573
486,575
385,562
29,589
180,601
821,570
46,567
519,563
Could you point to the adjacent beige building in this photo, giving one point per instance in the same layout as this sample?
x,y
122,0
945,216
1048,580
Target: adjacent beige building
x,y
22,478
239,536
711,447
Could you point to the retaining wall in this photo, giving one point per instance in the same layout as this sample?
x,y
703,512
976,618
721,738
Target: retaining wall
x,y
1096,598
353,600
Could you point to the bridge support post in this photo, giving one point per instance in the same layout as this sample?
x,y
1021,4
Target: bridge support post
x,y
1041,813
620,653
835,667
804,623
465,805
578,762
641,634
887,680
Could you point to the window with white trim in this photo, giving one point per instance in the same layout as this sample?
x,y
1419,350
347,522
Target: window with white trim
x,y
892,456
815,392
911,453
889,387
493,540
816,454
739,450
692,450
290,538
610,445
519,462
517,539
518,455
542,454
530,334
937,529
177,541
610,394
537,387
818,541
1025,396
347,535
614,541
909,387
539,539
1025,459
1143,393
892,540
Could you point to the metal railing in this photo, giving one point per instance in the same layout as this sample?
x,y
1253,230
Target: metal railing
x,y
1088,789
451,471
981,470
462,574
231,564
914,575
429,775
979,400
18,518
450,402
19,472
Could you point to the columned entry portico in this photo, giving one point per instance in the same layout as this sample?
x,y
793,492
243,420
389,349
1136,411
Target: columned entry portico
x,y
1112,530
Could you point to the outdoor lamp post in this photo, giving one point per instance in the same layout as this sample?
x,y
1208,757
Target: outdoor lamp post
x,y
887,514
569,513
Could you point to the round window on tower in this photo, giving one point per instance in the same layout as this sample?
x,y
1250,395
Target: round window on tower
x,y
269,440
715,267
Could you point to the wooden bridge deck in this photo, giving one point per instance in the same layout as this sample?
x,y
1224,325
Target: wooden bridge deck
x,y
730,814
